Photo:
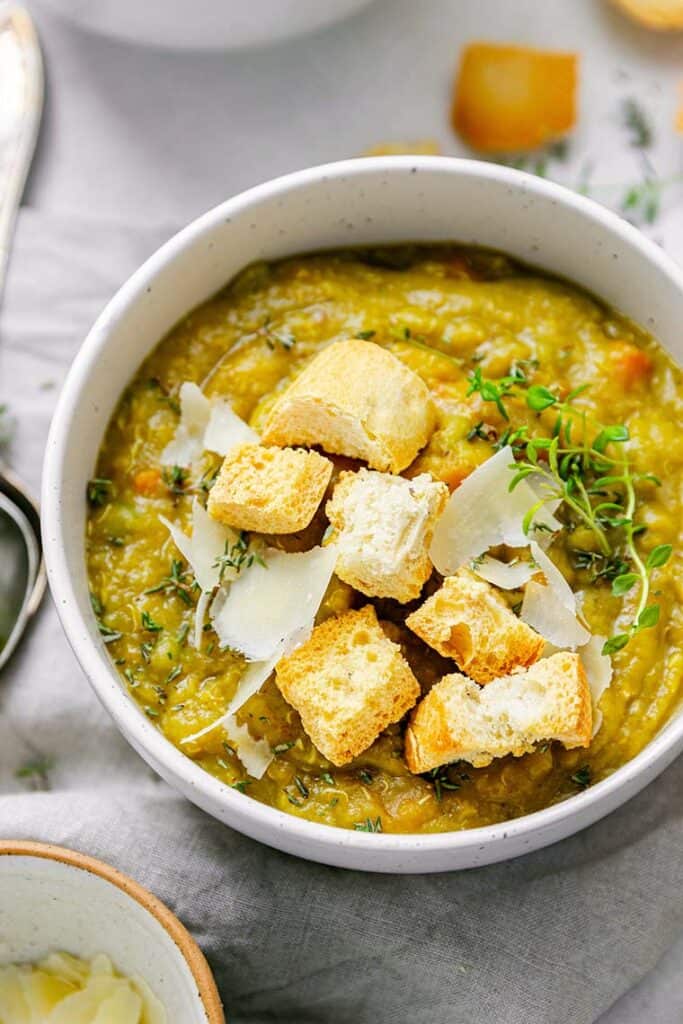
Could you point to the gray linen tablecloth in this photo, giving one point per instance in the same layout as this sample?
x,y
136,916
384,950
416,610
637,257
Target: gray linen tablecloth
x,y
555,936
134,139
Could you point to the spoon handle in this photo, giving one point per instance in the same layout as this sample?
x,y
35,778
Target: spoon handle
x,y
21,89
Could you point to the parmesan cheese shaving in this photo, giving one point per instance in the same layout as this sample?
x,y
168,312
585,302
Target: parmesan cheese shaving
x,y
598,669
226,430
483,512
550,609
188,443
62,989
251,682
254,754
205,425
267,605
506,575
204,547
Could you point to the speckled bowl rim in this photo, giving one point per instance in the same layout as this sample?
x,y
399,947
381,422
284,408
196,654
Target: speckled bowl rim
x,y
177,932
386,852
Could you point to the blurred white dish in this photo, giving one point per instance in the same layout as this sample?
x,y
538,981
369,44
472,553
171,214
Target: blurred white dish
x,y
204,24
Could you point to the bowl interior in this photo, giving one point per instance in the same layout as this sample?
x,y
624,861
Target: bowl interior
x,y
47,905
360,202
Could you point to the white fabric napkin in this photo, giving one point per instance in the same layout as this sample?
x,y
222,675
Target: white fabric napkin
x,y
554,936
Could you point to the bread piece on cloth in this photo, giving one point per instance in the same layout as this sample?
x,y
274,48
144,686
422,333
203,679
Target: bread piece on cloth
x,y
348,682
459,721
357,399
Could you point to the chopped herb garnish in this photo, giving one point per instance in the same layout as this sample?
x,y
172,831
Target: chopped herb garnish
x,y
37,771
238,556
175,478
301,786
174,673
369,825
178,582
366,335
582,777
484,431
146,651
151,712
637,122
96,604
242,785
326,777
149,623
181,635
98,491
366,776
441,779
108,634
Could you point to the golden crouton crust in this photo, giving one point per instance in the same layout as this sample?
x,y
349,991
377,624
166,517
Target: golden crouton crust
x,y
661,15
467,620
269,490
404,578
348,682
355,398
443,727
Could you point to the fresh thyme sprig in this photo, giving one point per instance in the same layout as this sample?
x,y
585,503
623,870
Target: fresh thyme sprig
x,y
178,582
238,556
595,484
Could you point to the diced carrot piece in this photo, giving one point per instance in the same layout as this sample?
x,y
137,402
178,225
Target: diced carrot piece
x,y
146,482
509,98
632,366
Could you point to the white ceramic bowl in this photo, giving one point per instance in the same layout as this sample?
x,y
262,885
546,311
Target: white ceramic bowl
x,y
369,201
204,24
52,899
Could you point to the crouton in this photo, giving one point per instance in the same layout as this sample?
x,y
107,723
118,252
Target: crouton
x,y
356,399
348,682
468,620
509,98
269,490
459,721
661,15
383,528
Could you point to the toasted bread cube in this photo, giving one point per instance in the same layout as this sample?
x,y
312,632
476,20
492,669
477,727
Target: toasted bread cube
x,y
468,620
459,721
383,527
269,490
661,15
356,399
509,98
348,682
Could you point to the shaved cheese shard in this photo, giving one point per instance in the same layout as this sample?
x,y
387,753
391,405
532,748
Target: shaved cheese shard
x,y
207,543
188,443
205,425
267,605
550,609
598,669
254,754
506,575
226,430
483,512
252,680
200,611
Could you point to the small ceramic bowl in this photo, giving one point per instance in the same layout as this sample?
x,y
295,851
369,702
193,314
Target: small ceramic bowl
x,y
205,24
53,899
372,201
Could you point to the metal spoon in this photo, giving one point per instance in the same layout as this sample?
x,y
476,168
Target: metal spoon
x,y
22,574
